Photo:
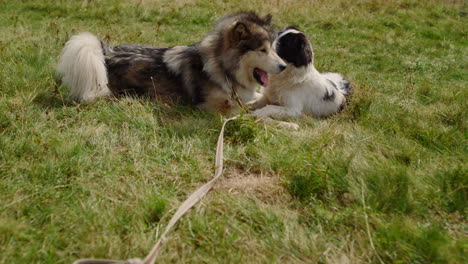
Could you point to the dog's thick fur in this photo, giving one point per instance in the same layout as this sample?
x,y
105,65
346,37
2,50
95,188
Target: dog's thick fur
x,y
238,54
301,89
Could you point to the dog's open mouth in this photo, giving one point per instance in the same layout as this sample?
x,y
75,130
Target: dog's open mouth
x,y
261,77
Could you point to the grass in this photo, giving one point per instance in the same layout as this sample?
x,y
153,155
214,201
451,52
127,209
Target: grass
x,y
99,180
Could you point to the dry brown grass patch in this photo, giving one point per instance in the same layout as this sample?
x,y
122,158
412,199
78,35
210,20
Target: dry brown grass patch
x,y
265,187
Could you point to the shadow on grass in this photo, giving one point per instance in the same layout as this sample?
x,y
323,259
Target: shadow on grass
x,y
47,100
55,98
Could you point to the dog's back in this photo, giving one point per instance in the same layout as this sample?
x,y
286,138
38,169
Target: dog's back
x,y
340,82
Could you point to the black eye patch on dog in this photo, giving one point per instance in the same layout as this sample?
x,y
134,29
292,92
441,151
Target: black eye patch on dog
x,y
294,48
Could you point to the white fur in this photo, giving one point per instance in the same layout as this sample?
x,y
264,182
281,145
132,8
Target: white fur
x,y
82,68
298,91
301,90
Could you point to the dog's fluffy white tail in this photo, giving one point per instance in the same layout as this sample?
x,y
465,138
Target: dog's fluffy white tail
x,y
82,68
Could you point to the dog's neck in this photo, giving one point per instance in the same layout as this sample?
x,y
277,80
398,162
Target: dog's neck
x,y
245,95
211,63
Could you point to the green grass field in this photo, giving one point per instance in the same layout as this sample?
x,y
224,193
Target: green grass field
x,y
385,181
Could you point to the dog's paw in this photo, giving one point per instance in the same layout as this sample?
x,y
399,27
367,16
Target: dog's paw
x,y
251,105
255,104
289,125
261,113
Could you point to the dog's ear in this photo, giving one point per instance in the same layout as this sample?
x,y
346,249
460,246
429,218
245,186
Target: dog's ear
x,y
240,32
305,56
267,19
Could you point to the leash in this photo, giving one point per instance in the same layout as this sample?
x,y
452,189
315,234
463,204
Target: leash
x,y
235,96
183,208
188,203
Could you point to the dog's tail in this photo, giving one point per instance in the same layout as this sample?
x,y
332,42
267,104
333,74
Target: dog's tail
x,y
82,68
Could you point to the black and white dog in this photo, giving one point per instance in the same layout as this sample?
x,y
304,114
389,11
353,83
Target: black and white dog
x,y
300,88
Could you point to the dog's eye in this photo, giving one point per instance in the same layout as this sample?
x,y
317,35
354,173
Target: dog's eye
x,y
263,50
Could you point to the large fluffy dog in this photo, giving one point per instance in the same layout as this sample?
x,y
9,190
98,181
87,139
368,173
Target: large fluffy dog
x,y
301,89
237,54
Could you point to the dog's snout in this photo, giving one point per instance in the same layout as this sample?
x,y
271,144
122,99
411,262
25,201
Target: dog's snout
x,y
282,67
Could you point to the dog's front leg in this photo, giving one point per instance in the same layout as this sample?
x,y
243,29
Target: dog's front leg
x,y
277,111
288,125
259,102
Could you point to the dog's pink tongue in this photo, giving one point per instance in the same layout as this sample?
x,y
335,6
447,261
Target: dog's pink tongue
x,y
263,77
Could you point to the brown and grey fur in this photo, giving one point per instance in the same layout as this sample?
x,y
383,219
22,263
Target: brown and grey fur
x,y
200,74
